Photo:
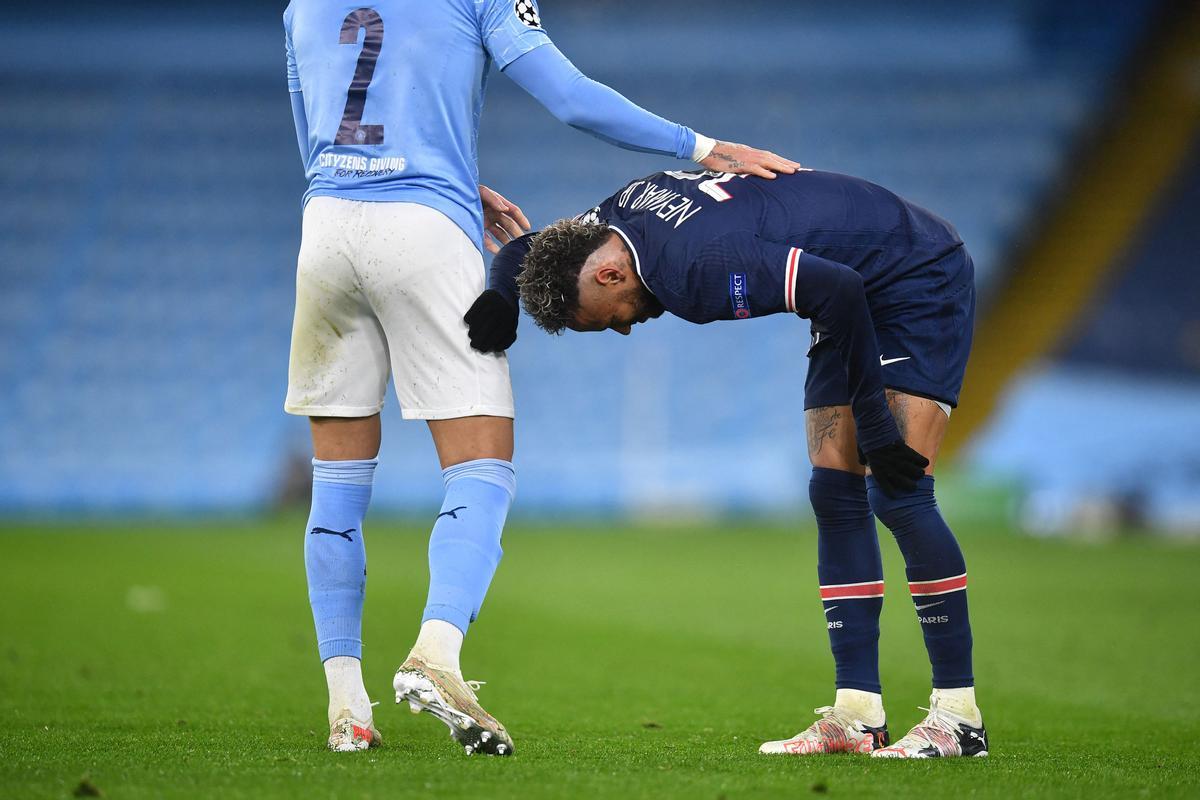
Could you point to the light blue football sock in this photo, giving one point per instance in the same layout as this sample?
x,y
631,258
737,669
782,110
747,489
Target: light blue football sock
x,y
335,557
464,548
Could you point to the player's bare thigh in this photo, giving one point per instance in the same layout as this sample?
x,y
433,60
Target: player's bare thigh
x,y
457,440
345,438
467,438
922,423
833,443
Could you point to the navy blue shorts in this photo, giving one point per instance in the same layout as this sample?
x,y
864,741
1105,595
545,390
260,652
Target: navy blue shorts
x,y
924,322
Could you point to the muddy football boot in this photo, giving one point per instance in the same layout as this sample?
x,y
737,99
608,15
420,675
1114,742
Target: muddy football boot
x,y
426,687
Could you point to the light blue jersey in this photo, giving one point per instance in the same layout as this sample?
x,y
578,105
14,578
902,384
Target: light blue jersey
x,y
392,94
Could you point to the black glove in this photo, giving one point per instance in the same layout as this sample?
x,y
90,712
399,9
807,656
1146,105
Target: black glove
x,y
491,322
896,467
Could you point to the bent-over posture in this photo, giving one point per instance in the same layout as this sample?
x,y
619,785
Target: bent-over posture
x,y
889,289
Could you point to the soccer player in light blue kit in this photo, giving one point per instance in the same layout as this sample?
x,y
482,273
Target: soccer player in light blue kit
x,y
387,99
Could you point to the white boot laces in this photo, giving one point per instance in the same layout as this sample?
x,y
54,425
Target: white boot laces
x,y
935,720
838,716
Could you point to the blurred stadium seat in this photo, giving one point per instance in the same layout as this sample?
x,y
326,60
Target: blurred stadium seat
x,y
150,219
1120,399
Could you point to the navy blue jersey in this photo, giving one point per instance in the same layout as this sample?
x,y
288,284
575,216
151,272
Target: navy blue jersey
x,y
715,246
843,252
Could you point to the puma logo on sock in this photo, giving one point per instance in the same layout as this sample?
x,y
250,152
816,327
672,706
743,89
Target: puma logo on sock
x,y
344,534
451,513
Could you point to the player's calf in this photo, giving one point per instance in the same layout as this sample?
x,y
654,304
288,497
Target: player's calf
x,y
937,575
850,570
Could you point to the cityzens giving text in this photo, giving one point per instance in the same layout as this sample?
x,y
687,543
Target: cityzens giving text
x,y
345,165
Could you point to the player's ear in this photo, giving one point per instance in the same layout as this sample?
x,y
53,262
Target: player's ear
x,y
608,275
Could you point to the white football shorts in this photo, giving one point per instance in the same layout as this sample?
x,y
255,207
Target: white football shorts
x,y
381,289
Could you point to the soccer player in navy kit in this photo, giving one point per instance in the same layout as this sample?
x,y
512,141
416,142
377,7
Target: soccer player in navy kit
x,y
387,96
889,289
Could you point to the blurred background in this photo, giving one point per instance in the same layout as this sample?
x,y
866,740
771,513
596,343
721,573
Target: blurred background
x,y
150,220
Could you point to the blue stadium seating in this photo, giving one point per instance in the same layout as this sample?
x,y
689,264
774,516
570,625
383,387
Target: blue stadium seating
x,y
150,219
1120,404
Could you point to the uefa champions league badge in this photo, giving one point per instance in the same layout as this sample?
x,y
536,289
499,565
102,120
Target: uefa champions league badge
x,y
527,12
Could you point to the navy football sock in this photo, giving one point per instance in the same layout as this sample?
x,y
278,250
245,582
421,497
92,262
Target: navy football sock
x,y
937,578
850,570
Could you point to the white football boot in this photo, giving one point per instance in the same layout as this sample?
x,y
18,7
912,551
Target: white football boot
x,y
942,734
443,693
837,731
347,734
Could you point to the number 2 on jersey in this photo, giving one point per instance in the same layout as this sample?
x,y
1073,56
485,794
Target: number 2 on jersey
x,y
352,131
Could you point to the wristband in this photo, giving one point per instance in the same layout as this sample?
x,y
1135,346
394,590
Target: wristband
x,y
704,147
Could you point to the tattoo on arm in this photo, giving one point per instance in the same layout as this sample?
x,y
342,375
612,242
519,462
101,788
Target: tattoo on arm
x,y
732,161
820,424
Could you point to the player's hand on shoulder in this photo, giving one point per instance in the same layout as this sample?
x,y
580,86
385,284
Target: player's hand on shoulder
x,y
491,322
742,159
896,467
503,220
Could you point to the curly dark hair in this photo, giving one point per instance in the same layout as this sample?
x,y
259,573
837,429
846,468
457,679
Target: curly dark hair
x,y
549,279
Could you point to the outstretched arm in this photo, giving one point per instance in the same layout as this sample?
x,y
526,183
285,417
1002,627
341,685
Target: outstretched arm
x,y
492,318
761,277
832,295
594,108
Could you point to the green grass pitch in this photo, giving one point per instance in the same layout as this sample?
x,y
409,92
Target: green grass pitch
x,y
628,662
